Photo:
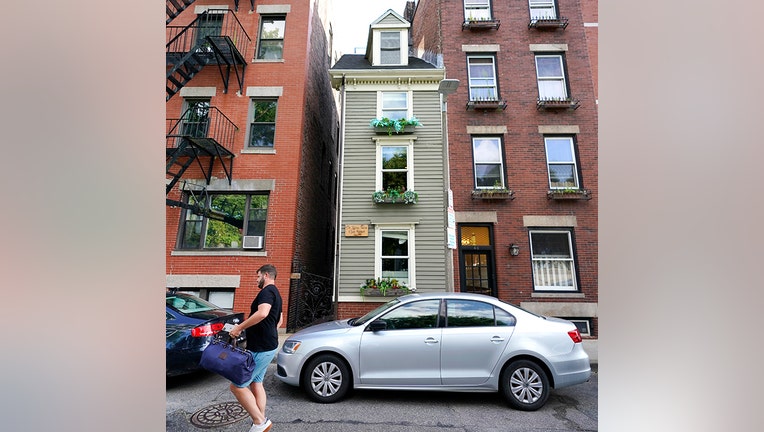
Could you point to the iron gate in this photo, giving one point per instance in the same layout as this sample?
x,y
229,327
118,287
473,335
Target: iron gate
x,y
310,301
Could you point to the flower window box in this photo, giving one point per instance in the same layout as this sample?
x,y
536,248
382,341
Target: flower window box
x,y
481,24
557,104
548,23
569,194
493,194
488,104
395,197
388,126
384,287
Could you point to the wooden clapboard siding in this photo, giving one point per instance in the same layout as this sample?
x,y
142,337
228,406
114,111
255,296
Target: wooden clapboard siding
x,y
359,171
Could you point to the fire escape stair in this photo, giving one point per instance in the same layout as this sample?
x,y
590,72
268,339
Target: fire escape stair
x,y
175,7
190,150
187,53
201,136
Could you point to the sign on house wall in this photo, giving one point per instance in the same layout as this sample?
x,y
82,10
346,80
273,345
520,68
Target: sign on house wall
x,y
356,230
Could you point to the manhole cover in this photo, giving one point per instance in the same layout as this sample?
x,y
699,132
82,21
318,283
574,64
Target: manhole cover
x,y
218,415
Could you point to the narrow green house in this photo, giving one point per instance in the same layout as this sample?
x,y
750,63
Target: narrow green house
x,y
393,200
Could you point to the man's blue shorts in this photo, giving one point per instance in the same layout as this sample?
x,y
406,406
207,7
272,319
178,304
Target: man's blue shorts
x,y
262,360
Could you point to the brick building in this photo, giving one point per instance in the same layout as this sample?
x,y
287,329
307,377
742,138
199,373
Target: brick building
x,y
251,146
522,137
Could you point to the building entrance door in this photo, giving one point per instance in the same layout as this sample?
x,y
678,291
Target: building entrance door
x,y
476,261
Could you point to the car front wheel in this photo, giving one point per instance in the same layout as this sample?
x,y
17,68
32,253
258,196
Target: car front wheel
x,y
326,379
525,385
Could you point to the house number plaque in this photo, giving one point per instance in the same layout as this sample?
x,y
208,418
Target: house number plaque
x,y
356,230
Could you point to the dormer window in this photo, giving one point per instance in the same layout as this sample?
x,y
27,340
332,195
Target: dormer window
x,y
390,35
390,47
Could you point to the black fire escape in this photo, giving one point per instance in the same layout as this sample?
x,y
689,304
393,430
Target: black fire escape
x,y
202,135
215,37
175,7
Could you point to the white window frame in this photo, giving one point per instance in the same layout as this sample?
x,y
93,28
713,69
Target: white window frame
x,y
409,228
391,49
542,9
587,325
476,161
381,104
473,86
409,161
544,92
477,10
549,272
402,46
573,162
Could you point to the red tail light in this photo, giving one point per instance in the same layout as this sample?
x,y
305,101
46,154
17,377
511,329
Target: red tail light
x,y
206,329
575,335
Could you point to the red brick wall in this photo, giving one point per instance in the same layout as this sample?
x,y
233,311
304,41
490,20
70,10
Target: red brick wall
x,y
524,156
294,227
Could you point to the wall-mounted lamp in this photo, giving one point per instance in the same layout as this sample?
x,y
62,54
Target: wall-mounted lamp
x,y
514,249
448,86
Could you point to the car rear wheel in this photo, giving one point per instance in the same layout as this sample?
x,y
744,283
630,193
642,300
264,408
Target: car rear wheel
x,y
525,385
326,379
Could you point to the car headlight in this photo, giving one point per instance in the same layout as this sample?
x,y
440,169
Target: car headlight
x,y
291,347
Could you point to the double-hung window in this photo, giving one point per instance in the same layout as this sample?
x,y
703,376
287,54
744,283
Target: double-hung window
x,y
209,23
561,163
542,9
196,118
262,128
394,171
552,259
390,47
482,78
271,39
550,74
229,218
394,105
488,162
477,10
395,253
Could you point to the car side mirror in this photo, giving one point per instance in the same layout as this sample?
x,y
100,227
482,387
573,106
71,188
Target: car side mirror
x,y
378,325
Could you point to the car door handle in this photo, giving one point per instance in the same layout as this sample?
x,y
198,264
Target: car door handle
x,y
430,340
497,339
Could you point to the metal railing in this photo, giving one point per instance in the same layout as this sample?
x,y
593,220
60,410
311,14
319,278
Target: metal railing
x,y
214,125
212,22
310,301
553,274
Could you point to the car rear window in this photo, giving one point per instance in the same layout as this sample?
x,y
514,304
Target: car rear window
x,y
187,303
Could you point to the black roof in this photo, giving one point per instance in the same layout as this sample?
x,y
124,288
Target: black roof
x,y
359,61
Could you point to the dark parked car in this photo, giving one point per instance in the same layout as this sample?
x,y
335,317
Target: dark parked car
x,y
438,341
191,324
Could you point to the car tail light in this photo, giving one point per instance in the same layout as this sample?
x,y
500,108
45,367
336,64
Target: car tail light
x,y
206,329
575,335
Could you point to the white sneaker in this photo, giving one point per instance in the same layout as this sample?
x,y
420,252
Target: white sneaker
x,y
265,427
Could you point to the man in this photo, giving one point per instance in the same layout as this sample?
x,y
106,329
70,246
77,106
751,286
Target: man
x,y
262,341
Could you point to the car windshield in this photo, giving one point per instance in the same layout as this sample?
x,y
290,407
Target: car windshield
x,y
366,318
187,303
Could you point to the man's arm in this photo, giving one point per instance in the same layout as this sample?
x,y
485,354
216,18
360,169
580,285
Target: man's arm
x,y
263,309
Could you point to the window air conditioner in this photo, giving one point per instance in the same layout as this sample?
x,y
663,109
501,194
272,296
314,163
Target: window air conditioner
x,y
253,242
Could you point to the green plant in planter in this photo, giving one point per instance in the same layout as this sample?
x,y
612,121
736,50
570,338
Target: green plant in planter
x,y
395,195
384,285
394,126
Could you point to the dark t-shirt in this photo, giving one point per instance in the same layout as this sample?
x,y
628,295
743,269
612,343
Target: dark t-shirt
x,y
264,335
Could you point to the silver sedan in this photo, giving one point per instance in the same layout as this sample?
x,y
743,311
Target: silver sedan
x,y
438,341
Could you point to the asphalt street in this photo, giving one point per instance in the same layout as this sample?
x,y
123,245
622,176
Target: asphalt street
x,y
203,399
